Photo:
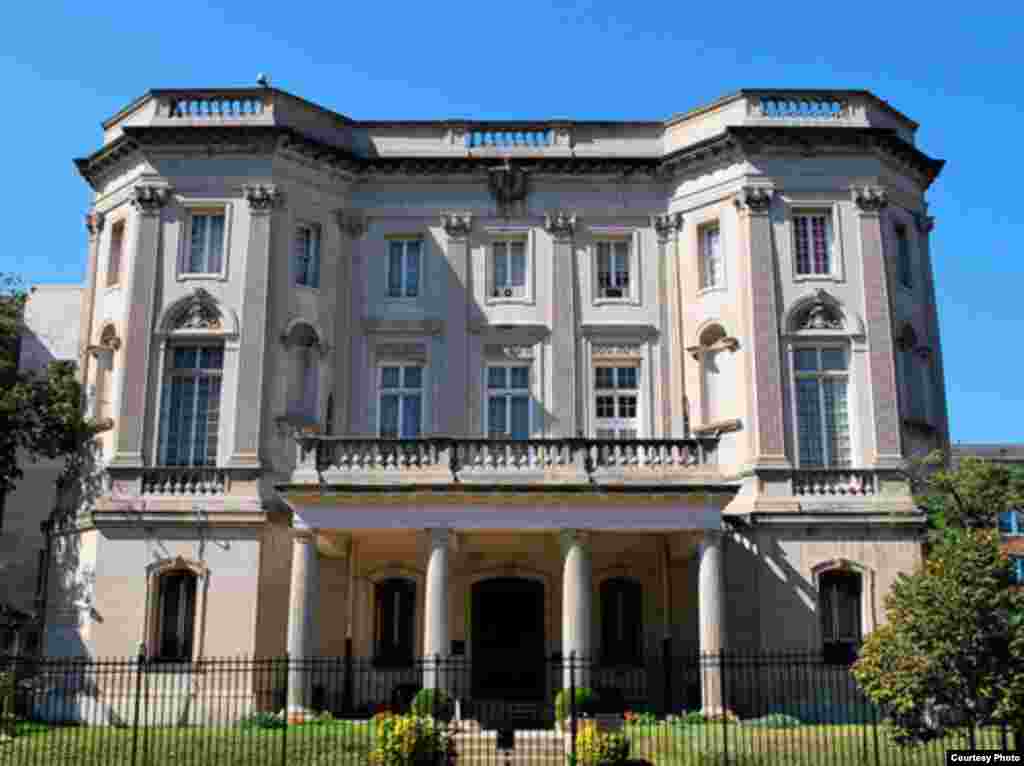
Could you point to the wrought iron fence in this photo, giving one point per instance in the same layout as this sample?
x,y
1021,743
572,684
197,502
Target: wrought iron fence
x,y
672,709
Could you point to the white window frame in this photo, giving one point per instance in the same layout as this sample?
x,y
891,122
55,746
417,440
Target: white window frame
x,y
617,423
401,391
702,261
848,375
508,393
833,239
612,234
405,240
630,261
315,231
194,208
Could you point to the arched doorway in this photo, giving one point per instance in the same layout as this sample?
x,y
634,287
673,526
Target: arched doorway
x,y
507,638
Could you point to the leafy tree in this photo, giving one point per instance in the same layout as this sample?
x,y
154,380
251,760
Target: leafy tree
x,y
970,496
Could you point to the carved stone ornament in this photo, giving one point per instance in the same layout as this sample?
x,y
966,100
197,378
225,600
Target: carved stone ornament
x,y
148,199
617,349
559,224
666,225
199,313
94,222
870,199
925,223
755,199
820,315
508,183
457,225
262,198
352,224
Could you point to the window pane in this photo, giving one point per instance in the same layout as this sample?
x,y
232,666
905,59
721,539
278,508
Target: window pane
x,y
519,427
314,258
627,406
604,265
517,260
621,275
837,421
410,416
821,254
187,420
212,420
806,360
395,269
500,266
216,243
802,243
496,416
604,377
606,406
412,269
197,248
389,377
520,377
497,377
185,357
1006,519
809,423
833,359
627,377
211,359
389,416
414,377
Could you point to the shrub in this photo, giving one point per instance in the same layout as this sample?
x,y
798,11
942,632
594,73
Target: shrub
x,y
262,721
586,703
597,748
411,740
775,721
640,718
433,702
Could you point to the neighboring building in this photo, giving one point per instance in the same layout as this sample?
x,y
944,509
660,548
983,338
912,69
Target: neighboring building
x,y
559,386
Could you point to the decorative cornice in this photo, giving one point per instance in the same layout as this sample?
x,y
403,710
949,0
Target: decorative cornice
x,y
262,198
352,224
457,225
756,200
559,224
665,226
618,349
925,223
149,199
870,199
94,221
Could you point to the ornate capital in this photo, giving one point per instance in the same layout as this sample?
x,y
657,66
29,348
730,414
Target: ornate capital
x,y
754,199
148,199
870,199
572,537
457,225
560,225
262,198
352,224
94,221
666,225
925,223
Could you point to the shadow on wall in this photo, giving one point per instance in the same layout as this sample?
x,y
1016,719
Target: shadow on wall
x,y
34,355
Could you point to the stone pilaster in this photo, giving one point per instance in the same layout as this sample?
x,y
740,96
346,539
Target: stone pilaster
x,y
255,307
435,623
148,201
577,594
760,332
94,221
673,382
455,415
351,228
565,407
870,202
302,605
711,614
925,224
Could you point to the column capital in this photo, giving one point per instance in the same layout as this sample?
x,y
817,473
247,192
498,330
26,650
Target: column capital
x,y
870,199
149,199
94,221
925,223
262,198
457,225
560,224
667,225
303,534
570,537
754,200
351,224
439,537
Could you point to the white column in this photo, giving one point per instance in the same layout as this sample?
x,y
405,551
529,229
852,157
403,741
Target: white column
x,y
301,622
711,613
435,640
577,586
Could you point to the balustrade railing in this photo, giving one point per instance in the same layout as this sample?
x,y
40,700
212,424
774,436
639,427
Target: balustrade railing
x,y
819,107
529,137
172,481
835,483
214,105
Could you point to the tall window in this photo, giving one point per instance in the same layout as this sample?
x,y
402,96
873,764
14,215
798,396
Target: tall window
x,y
621,622
190,406
176,615
307,255
508,402
395,623
116,250
616,392
812,234
508,269
206,242
903,261
823,422
404,268
401,401
712,273
613,276
840,602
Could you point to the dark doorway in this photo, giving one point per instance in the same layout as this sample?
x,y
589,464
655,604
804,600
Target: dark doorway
x,y
508,639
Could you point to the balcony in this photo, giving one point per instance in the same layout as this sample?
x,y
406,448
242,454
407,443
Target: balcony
x,y
341,461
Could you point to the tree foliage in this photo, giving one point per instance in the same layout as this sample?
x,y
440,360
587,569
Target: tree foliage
x,y
969,496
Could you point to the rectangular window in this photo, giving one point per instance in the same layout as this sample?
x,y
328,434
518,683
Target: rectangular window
x,y
613,278
401,401
711,271
1011,523
508,402
812,235
1017,573
206,242
840,604
307,255
508,269
404,268
616,393
116,249
823,421
190,406
903,265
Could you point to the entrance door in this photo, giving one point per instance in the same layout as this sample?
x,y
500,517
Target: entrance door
x,y
508,639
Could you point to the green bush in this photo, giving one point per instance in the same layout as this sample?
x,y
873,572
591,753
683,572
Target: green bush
x,y
262,721
410,740
586,703
601,748
775,721
433,702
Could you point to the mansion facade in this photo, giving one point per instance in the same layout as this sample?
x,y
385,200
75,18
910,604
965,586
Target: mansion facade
x,y
499,390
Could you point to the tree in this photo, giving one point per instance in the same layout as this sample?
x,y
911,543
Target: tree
x,y
971,496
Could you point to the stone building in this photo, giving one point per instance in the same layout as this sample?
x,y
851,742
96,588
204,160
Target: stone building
x,y
501,391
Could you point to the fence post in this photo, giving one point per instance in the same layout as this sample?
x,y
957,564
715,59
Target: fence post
x,y
666,658
572,708
346,694
140,659
284,713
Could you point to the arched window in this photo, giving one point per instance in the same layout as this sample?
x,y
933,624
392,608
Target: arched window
x,y
395,622
176,616
190,405
717,364
840,593
621,622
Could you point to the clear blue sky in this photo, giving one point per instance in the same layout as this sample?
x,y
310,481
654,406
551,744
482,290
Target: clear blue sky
x,y
67,66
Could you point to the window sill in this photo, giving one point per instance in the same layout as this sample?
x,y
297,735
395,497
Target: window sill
x,y
710,290
221,276
512,301
817,278
308,287
627,301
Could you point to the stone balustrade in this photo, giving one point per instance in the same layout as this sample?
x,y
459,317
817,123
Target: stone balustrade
x,y
818,107
835,483
169,482
214,105
514,137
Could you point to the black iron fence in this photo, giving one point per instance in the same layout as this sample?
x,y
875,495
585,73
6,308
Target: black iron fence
x,y
739,709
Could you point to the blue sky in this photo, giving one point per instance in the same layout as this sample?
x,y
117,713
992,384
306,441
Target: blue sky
x,y
66,67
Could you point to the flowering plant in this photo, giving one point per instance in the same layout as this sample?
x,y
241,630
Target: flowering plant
x,y
412,740
598,748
